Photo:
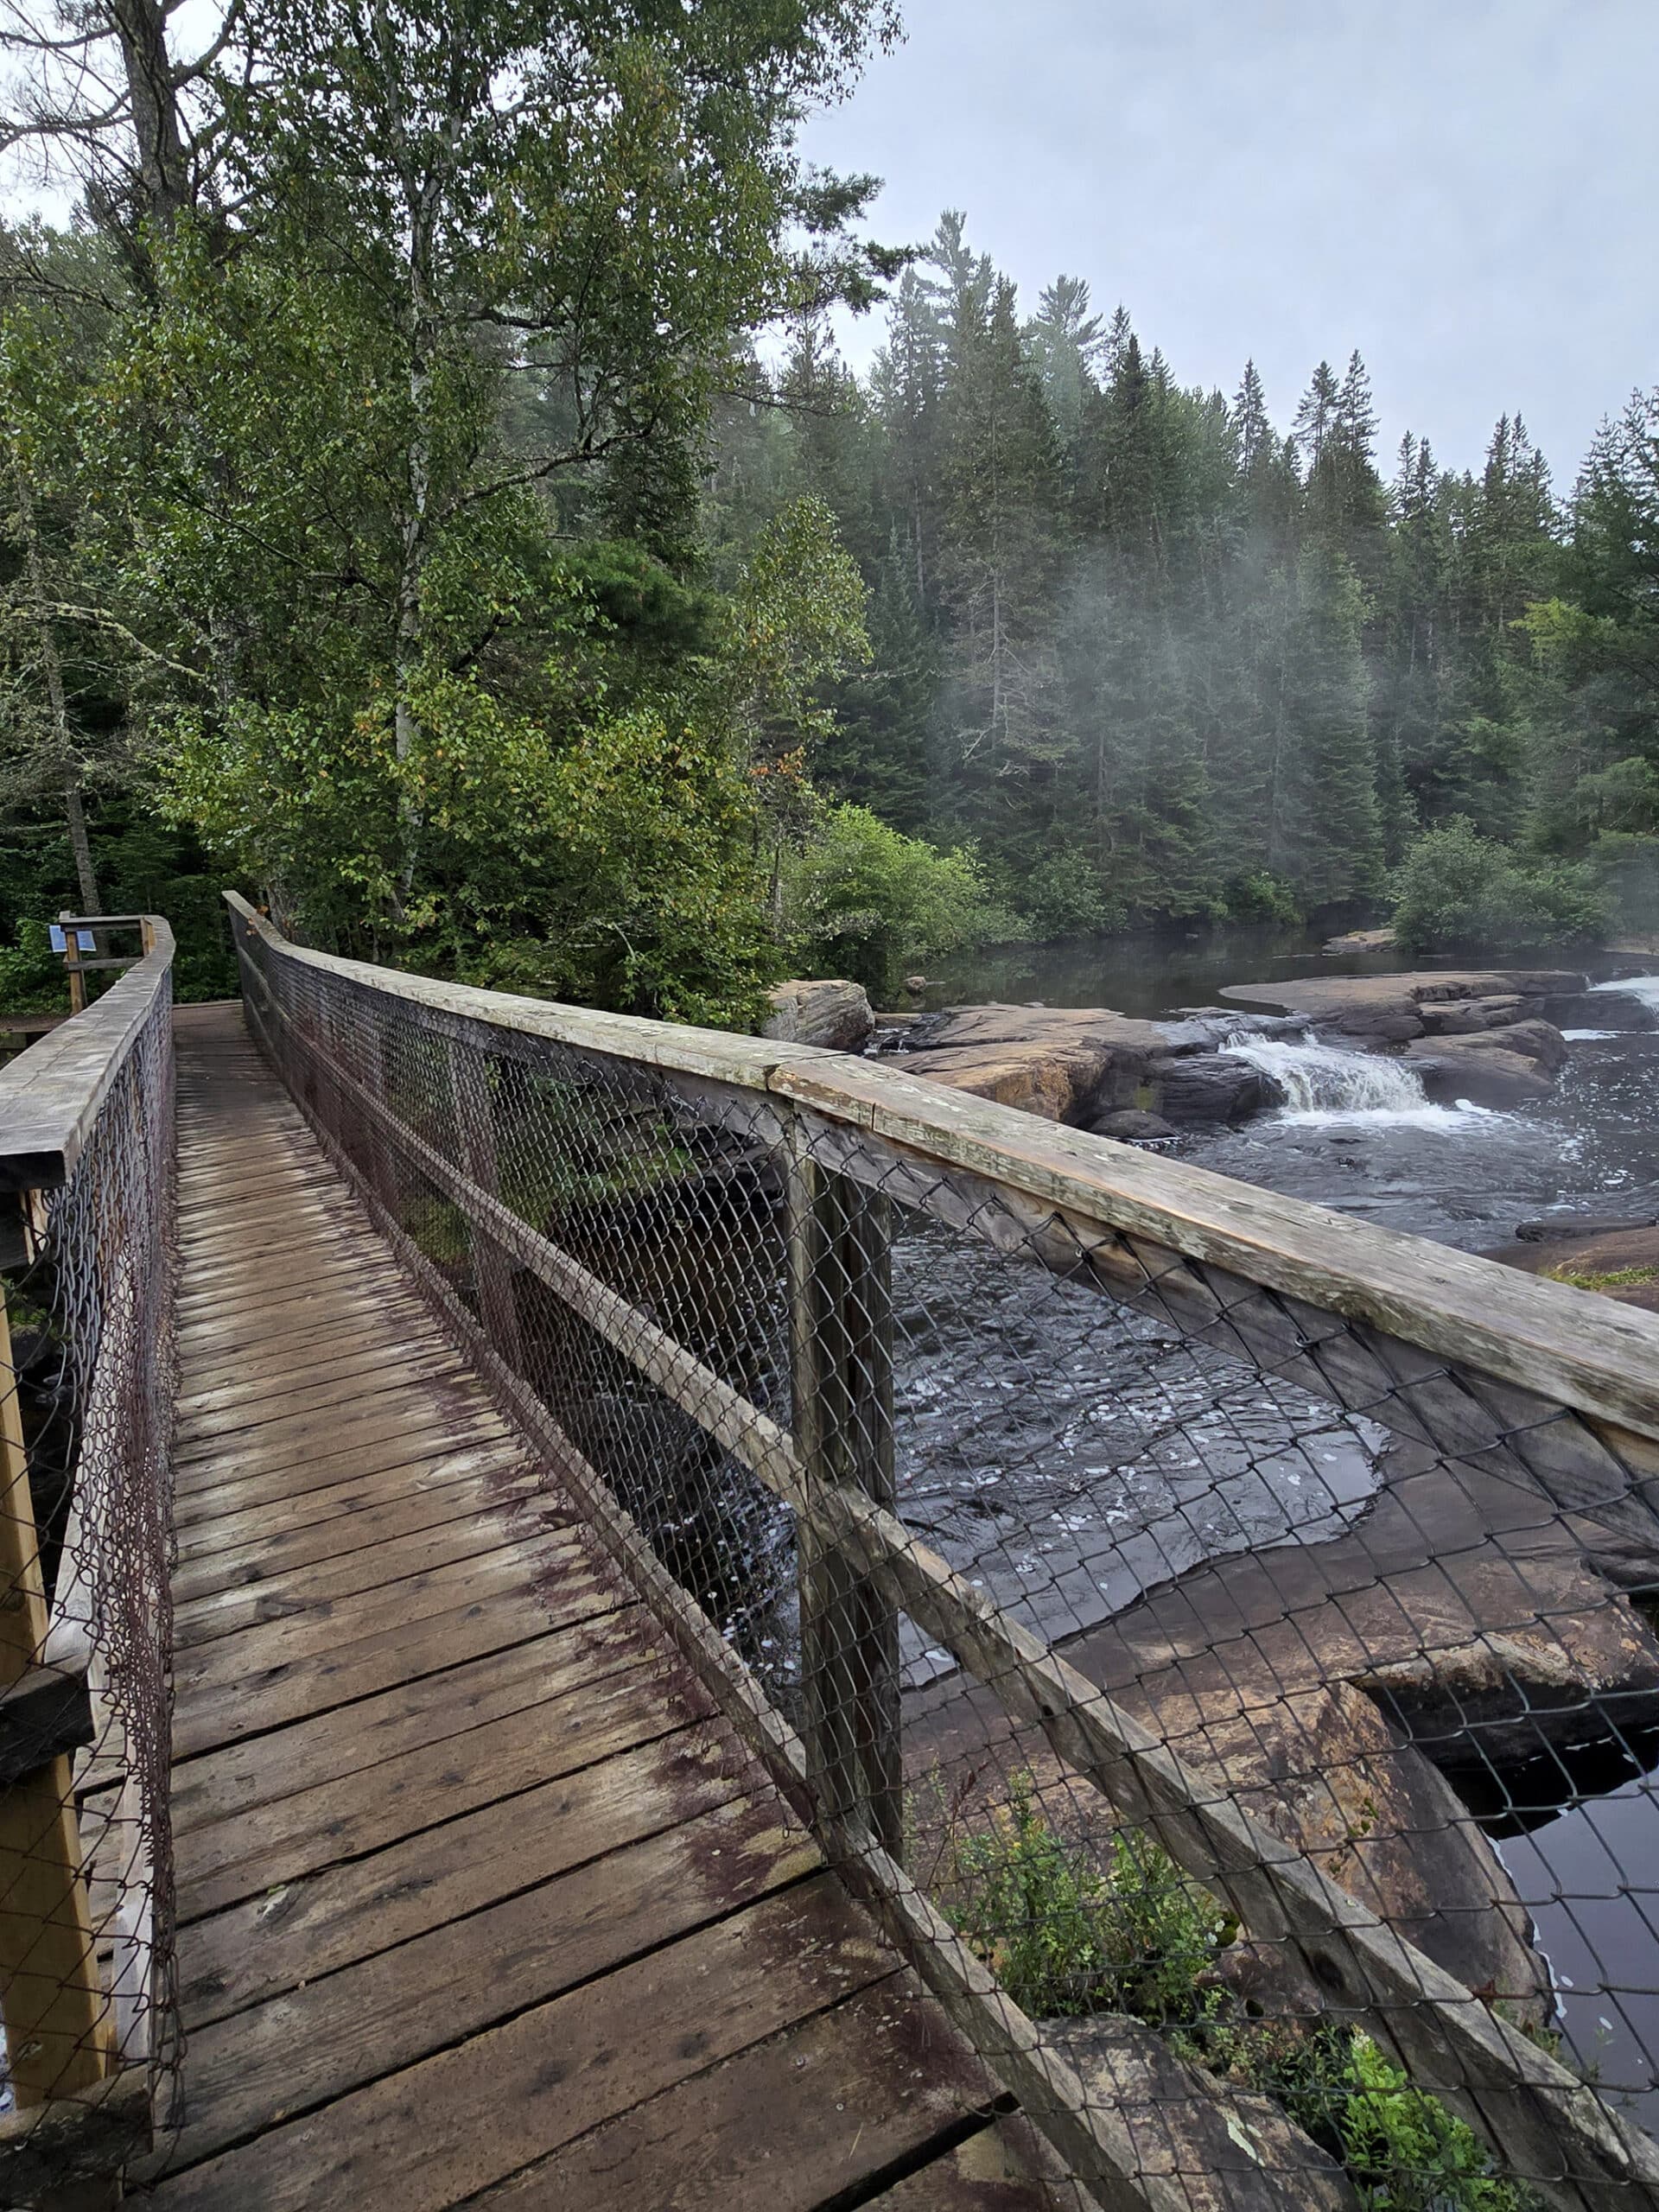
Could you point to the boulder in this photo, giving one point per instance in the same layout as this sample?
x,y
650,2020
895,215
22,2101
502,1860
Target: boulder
x,y
836,1013
1359,941
1462,1017
1220,2149
1063,1063
1129,1126
1207,1088
1539,1041
916,985
1322,1767
1491,1077
1359,1006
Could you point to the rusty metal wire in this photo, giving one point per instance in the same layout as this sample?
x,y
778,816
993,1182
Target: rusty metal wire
x,y
1375,1627
87,1898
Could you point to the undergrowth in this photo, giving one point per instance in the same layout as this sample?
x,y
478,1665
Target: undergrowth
x,y
1069,1933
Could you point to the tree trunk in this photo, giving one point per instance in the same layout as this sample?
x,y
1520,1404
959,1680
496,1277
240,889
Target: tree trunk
x,y
57,699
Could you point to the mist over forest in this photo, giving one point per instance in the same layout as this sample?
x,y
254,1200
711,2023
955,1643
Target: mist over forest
x,y
1164,652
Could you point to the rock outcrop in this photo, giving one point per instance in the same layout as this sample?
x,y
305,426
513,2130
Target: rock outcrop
x,y
836,1013
1223,2149
1067,1063
1393,1009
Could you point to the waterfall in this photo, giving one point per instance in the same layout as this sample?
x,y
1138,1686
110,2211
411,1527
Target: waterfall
x,y
1643,989
1322,1082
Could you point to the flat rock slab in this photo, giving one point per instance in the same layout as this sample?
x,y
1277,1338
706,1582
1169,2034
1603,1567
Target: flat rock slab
x,y
1602,1250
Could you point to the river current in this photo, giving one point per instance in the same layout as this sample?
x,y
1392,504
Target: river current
x,y
1065,1454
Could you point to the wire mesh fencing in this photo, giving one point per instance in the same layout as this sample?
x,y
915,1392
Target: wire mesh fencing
x,y
85,1396
1216,1639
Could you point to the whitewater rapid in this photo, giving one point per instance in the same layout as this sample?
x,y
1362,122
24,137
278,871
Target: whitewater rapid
x,y
1321,1085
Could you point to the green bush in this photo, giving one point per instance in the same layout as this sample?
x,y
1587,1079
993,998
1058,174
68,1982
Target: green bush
x,y
1262,897
1456,889
32,979
865,901
1066,1936
1069,1933
1064,896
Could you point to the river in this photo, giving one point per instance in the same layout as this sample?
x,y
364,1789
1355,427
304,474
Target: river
x,y
1069,1455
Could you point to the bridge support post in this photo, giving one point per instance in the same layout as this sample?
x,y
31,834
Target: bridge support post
x,y
840,1352
474,1112
58,2020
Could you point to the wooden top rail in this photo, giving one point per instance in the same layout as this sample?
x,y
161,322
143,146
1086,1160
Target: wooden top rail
x,y
1572,1347
50,1095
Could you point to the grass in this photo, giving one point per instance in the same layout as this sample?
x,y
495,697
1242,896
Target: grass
x,y
1612,1279
1070,1931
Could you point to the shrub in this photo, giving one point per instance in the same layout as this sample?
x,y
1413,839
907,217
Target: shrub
x,y
1262,897
1067,1933
1064,896
32,979
863,901
1456,889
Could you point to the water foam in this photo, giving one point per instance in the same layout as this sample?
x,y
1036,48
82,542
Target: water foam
x,y
1644,987
1320,1084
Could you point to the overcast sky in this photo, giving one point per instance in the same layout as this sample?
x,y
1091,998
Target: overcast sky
x,y
1466,190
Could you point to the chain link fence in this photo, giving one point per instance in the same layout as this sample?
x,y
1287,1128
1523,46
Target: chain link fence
x,y
1217,1639
86,1408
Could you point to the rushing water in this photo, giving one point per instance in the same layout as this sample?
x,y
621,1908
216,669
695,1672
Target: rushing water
x,y
1325,1086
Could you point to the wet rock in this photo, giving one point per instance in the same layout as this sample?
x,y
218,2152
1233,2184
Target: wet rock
x,y
1489,1077
1345,1005
1463,1017
1539,1041
1224,2150
1570,1229
1384,1022
836,1013
1208,1087
1130,1126
1323,1768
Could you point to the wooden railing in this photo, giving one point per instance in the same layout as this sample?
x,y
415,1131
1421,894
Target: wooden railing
x,y
86,1147
1558,1390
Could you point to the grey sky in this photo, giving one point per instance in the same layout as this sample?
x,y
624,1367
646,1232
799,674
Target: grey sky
x,y
1465,191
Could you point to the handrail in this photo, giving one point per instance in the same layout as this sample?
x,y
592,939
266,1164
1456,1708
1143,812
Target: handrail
x,y
1458,1352
50,1094
1583,1350
85,1150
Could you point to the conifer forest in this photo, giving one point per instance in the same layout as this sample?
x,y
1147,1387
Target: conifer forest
x,y
433,499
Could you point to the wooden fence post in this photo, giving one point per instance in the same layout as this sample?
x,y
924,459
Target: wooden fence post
x,y
475,1111
841,1353
58,2021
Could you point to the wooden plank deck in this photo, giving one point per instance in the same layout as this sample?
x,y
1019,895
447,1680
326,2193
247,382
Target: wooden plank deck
x,y
480,1901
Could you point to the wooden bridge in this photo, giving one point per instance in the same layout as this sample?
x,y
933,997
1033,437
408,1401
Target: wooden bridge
x,y
482,1863
481,1901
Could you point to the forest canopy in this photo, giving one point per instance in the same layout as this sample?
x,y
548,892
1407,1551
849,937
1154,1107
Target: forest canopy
x,y
433,499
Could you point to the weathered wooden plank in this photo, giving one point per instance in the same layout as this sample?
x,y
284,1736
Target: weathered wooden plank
x,y
602,2049
302,1452
349,1381
866,2086
50,1094
473,1747
317,2043
509,1568
224,1708
380,1565
219,1549
311,1925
